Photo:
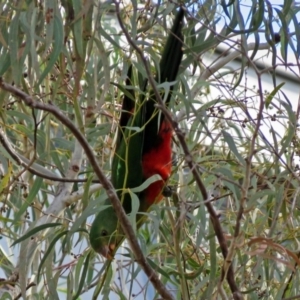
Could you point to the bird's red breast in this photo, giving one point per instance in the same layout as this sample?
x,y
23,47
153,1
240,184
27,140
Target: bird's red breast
x,y
158,160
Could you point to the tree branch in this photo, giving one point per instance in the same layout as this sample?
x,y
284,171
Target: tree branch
x,y
124,221
33,168
188,158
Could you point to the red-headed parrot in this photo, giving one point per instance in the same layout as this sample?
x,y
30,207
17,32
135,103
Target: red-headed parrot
x,y
143,149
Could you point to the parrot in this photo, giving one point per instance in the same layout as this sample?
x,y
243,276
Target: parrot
x,y
143,149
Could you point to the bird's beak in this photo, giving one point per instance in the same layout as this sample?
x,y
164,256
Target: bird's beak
x,y
108,251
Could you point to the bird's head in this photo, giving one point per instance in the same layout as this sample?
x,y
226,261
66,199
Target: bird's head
x,y
105,233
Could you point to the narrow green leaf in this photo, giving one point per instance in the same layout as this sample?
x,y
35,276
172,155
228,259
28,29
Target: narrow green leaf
x,y
21,116
135,204
146,183
34,231
31,197
62,143
78,272
5,179
104,34
272,94
287,139
259,16
5,62
57,47
49,7
55,157
93,207
257,43
158,268
70,286
14,47
213,262
49,249
78,27
297,30
51,284
109,277
291,114
27,30
99,130
83,276
230,142
209,42
224,6
284,35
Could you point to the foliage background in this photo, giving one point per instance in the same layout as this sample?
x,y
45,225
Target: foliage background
x,y
242,138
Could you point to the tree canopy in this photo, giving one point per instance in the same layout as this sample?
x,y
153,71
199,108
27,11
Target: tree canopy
x,y
229,228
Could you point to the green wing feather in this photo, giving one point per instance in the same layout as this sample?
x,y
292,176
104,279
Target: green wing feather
x,y
127,169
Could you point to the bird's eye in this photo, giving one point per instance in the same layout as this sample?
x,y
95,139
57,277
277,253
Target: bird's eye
x,y
104,233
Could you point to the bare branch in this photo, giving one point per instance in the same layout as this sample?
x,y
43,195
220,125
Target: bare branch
x,y
33,168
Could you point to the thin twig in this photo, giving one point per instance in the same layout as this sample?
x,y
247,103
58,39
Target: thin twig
x,y
31,166
246,182
31,284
